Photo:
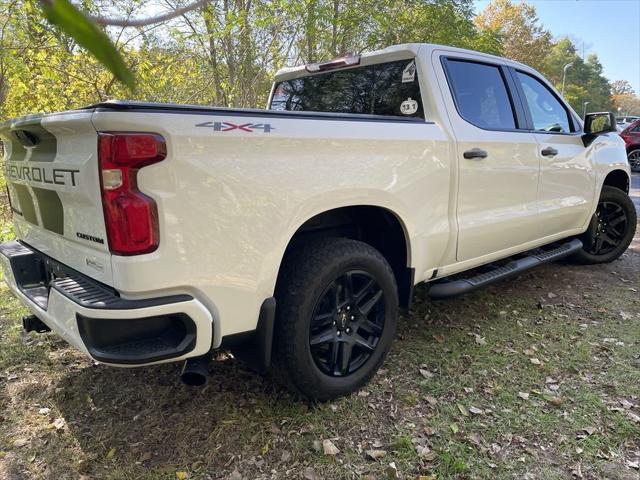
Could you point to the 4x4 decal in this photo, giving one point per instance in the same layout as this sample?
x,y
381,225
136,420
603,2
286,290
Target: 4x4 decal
x,y
244,127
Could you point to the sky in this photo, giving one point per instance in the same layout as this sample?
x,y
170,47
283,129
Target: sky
x,y
609,28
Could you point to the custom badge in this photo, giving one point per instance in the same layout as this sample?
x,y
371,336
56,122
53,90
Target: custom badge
x,y
409,107
409,72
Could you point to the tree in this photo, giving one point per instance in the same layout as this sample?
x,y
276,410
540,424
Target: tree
x,y
621,87
626,104
585,80
523,38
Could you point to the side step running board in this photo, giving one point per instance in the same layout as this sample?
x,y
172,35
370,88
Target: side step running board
x,y
531,259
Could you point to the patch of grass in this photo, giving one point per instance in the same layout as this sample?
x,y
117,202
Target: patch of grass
x,y
525,379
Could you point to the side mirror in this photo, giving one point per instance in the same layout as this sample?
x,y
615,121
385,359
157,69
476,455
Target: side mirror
x,y
598,124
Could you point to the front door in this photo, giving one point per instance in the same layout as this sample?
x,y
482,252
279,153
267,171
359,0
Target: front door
x,y
567,177
498,165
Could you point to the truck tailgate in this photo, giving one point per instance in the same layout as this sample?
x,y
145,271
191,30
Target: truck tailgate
x,y
51,168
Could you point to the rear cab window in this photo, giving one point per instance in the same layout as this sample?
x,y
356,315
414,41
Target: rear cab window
x,y
389,89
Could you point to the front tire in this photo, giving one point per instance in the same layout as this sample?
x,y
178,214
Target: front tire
x,y
336,317
611,229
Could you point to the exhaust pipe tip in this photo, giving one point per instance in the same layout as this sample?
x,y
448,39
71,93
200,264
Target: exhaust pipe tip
x,y
195,371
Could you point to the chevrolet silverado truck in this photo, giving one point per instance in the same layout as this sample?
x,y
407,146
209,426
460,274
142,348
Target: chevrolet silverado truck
x,y
151,233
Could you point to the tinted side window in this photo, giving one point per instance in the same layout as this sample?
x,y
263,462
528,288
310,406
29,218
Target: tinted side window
x,y
383,89
481,94
547,113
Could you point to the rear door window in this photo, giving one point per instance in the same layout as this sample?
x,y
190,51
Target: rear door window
x,y
480,94
382,89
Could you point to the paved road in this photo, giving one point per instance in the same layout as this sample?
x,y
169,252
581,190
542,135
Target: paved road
x,y
635,190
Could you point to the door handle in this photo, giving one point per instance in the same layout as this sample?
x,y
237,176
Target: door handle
x,y
477,153
549,152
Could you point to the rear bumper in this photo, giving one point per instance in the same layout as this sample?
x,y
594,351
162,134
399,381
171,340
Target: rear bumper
x,y
96,320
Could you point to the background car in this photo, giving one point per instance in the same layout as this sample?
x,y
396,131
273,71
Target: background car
x,y
631,136
624,122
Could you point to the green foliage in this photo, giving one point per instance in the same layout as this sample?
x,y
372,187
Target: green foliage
x,y
524,39
69,20
226,53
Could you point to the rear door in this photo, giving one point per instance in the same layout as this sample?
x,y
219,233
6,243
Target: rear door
x,y
567,183
498,164
51,169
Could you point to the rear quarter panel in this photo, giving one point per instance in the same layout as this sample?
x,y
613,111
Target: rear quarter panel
x,y
229,202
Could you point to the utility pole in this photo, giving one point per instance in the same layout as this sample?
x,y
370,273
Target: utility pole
x,y
564,76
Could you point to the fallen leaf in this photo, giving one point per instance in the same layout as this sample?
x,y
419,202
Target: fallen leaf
x,y
182,475
425,453
454,427
438,337
392,471
523,395
310,474
479,340
426,373
58,423
463,410
590,430
431,400
235,475
44,411
577,471
557,401
476,410
285,457
535,361
329,448
111,453
375,454
20,442
633,417
635,465
275,429
476,439
146,457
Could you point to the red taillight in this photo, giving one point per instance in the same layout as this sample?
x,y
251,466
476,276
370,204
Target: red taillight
x,y
348,61
131,217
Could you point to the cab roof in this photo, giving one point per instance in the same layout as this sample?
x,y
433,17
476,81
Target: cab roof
x,y
399,52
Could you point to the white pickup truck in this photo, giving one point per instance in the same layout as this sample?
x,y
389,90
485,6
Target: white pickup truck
x,y
152,233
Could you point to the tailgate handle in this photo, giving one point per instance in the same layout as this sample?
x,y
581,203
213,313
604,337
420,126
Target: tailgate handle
x,y
26,138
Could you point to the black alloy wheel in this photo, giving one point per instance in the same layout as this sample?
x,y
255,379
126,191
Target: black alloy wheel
x,y
336,315
610,228
347,323
634,160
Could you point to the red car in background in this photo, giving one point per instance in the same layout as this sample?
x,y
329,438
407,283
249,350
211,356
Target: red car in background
x,y
631,136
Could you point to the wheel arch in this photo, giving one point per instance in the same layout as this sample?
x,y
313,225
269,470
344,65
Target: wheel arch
x,y
619,179
378,226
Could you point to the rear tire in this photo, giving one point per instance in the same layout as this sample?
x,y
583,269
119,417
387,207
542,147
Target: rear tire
x,y
611,229
336,317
